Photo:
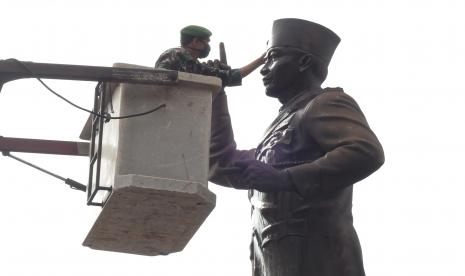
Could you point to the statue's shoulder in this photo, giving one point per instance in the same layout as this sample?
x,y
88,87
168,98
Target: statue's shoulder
x,y
332,95
333,90
326,94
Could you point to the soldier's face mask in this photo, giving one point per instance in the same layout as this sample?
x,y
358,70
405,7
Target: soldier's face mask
x,y
205,51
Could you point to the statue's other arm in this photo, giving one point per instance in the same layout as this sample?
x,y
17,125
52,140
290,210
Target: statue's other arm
x,y
336,123
223,149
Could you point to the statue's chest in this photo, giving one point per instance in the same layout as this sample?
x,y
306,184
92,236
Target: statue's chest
x,y
288,142
276,146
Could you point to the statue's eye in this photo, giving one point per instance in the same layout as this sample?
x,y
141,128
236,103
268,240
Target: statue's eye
x,y
274,55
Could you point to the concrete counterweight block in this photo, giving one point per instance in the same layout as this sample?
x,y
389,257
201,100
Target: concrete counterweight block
x,y
157,165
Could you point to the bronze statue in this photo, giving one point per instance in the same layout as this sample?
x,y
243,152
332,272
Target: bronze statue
x,y
300,176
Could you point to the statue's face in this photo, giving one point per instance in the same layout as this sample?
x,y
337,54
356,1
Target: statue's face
x,y
280,71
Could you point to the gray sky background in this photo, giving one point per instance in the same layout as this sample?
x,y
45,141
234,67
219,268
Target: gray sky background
x,y
403,61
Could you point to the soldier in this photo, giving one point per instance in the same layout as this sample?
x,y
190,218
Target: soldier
x,y
300,177
194,45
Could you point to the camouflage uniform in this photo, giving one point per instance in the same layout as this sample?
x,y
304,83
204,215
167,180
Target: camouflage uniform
x,y
180,59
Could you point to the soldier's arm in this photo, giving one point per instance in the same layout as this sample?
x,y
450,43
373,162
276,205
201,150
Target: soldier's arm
x,y
166,61
237,75
228,76
249,68
231,77
173,59
353,151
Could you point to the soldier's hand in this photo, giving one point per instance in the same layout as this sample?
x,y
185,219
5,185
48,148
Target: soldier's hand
x,y
263,177
218,64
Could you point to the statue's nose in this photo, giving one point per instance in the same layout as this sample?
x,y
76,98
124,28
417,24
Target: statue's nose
x,y
265,70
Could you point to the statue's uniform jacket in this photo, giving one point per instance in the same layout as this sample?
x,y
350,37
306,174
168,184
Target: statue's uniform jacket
x,y
324,142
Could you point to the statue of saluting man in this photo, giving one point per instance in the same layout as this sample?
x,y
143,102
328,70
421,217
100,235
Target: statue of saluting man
x,y
300,176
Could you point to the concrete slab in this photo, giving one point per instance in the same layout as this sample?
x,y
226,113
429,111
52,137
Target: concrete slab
x,y
150,216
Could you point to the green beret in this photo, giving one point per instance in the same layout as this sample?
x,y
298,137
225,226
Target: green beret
x,y
196,31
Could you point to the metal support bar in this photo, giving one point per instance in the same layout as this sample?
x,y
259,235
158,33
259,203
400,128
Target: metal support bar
x,y
12,69
44,146
95,152
73,184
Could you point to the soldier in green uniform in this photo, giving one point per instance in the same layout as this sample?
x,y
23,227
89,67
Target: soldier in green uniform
x,y
300,176
194,45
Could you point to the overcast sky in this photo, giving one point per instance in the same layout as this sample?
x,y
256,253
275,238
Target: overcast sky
x,y
403,62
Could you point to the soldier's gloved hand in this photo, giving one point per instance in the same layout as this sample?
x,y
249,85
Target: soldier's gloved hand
x,y
223,66
210,63
263,177
218,65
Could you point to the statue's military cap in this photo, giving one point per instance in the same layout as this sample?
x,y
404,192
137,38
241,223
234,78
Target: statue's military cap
x,y
196,31
304,35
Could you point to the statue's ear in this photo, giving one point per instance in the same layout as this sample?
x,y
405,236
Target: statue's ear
x,y
305,61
